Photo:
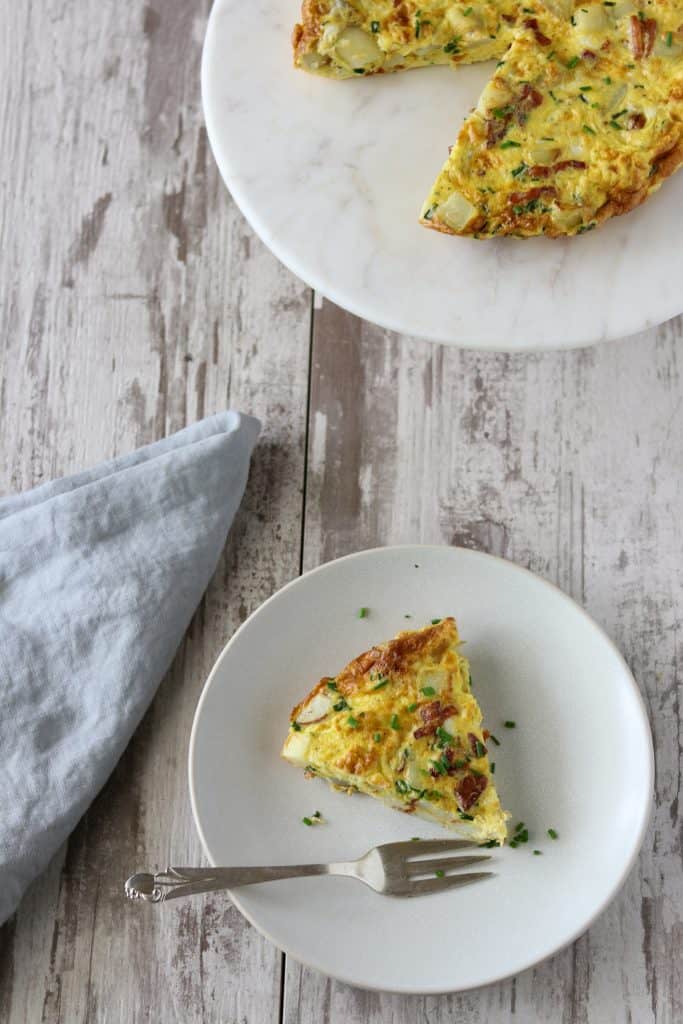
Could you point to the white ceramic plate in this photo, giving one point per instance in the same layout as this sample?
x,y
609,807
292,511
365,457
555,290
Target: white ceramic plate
x,y
332,176
579,761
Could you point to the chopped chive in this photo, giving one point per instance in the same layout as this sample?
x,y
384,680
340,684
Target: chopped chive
x,y
522,837
493,767
452,45
510,725
467,11
509,144
537,853
513,844
411,707
479,748
381,684
374,26
462,764
552,833
516,171
465,817
362,613
415,839
489,844
407,616
341,705
495,740
353,722
358,71
519,826
572,63
295,726
501,112
435,622
620,113
669,38
585,88
547,138
317,814
402,786
331,684
394,722
307,821
377,737
615,124
428,691
439,873
607,80
444,736
588,129
553,95
583,99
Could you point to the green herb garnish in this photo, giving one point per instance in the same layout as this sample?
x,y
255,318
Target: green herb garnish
x,y
607,80
439,873
479,748
537,853
341,705
573,62
669,38
411,707
374,26
362,613
435,622
553,834
489,844
353,722
465,817
394,722
452,45
510,725
495,740
382,683
402,786
501,112
444,736
428,691
509,144
295,726
588,129
307,821
377,737
493,767
331,684
519,170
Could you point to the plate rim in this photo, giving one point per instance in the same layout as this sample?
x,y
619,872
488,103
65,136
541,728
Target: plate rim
x,y
327,289
646,811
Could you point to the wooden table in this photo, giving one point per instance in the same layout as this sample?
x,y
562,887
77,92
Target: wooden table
x,y
134,300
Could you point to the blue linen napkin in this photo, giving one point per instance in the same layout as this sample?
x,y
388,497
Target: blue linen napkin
x,y
99,576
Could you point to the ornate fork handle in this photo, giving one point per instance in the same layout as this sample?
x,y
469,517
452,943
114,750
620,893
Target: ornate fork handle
x,y
174,882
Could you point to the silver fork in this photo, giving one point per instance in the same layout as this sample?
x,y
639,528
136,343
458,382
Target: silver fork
x,y
395,869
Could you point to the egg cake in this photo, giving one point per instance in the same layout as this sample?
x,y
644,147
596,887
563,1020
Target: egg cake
x,y
400,723
581,121
344,38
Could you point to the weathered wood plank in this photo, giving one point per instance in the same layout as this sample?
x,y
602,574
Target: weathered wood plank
x,y
569,464
133,300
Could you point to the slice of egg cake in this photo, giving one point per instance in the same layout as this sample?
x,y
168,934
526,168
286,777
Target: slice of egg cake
x,y
347,38
400,723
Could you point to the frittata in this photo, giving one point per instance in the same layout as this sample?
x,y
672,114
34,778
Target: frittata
x,y
581,121
401,724
344,38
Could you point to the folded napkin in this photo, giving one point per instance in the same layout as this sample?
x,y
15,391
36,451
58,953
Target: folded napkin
x,y
99,576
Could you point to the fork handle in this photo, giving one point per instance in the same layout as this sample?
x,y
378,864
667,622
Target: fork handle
x,y
175,882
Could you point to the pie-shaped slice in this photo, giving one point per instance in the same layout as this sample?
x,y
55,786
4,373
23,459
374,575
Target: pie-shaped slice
x,y
581,121
344,38
400,723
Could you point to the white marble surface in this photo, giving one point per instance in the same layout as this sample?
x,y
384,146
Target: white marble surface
x,y
332,174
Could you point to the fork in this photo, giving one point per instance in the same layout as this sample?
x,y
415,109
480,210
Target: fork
x,y
394,869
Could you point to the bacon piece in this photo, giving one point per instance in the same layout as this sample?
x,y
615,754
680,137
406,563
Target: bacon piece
x,y
474,743
529,99
496,129
589,55
642,35
545,170
532,193
636,120
510,18
433,715
469,789
532,23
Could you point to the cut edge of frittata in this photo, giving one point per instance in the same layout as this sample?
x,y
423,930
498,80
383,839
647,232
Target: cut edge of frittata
x,y
399,723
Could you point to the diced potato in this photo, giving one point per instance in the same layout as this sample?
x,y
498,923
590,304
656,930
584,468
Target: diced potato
x,y
496,94
357,49
567,219
456,211
320,706
662,49
591,19
560,8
